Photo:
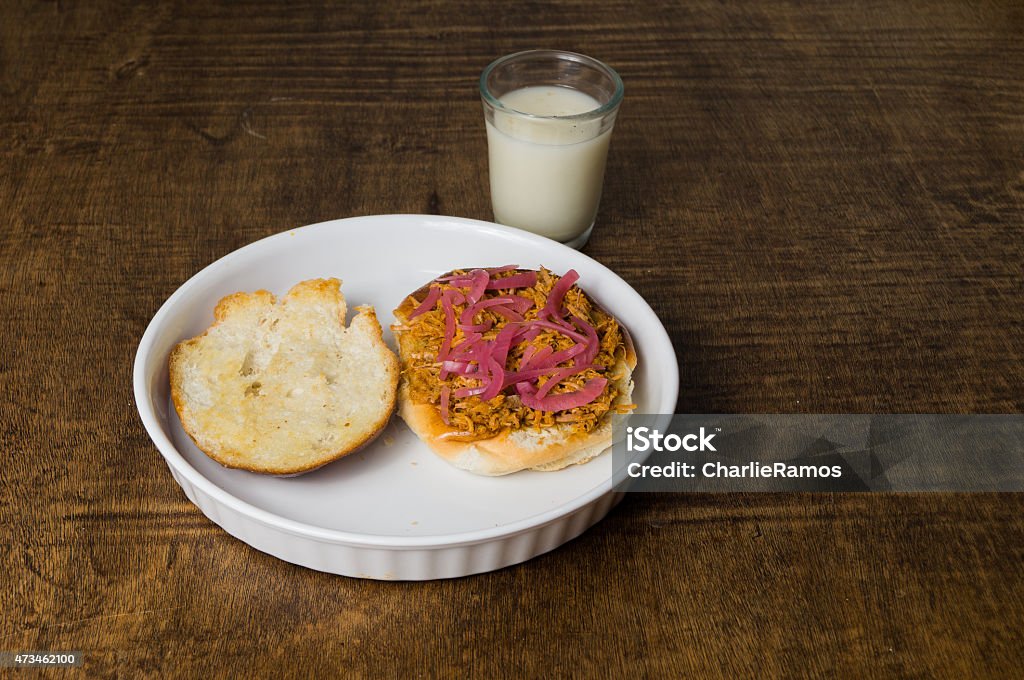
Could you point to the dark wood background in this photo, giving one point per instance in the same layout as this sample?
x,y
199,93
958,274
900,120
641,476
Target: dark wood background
x,y
822,201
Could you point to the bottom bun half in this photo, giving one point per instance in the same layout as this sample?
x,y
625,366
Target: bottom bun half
x,y
547,449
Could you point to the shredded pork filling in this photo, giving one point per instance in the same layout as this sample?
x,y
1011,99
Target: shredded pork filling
x,y
473,418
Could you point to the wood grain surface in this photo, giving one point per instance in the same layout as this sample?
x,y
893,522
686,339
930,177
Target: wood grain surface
x,y
822,201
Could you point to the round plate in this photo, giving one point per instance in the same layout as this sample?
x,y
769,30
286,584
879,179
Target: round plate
x,y
392,510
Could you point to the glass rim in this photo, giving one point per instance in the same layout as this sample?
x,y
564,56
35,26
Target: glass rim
x,y
610,105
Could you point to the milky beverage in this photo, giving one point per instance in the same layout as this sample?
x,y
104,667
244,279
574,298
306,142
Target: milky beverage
x,y
546,174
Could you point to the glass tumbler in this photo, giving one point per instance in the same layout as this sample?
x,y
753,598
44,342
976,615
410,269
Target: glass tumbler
x,y
549,117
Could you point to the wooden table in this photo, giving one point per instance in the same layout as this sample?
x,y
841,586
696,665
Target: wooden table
x,y
824,204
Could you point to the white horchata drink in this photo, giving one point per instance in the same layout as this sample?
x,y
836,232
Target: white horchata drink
x,y
547,168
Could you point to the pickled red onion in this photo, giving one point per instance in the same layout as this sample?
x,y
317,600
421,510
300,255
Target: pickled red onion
x,y
519,303
553,308
470,312
563,330
428,302
484,361
506,313
566,354
561,402
593,343
469,344
489,270
513,377
558,377
503,342
458,367
530,334
478,284
525,279
537,356
496,380
469,391
478,327
447,298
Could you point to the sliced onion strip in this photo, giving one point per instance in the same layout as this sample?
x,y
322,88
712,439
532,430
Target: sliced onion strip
x,y
471,311
428,302
561,402
553,308
447,299
478,284
507,314
525,279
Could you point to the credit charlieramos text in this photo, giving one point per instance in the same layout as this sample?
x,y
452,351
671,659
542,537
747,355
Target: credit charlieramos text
x,y
647,439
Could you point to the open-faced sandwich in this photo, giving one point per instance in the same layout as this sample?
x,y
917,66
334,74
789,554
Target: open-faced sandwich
x,y
505,369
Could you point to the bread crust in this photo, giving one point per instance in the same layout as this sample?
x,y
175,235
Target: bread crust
x,y
548,449
232,456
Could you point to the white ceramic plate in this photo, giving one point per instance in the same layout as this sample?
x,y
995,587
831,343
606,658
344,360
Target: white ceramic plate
x,y
392,510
